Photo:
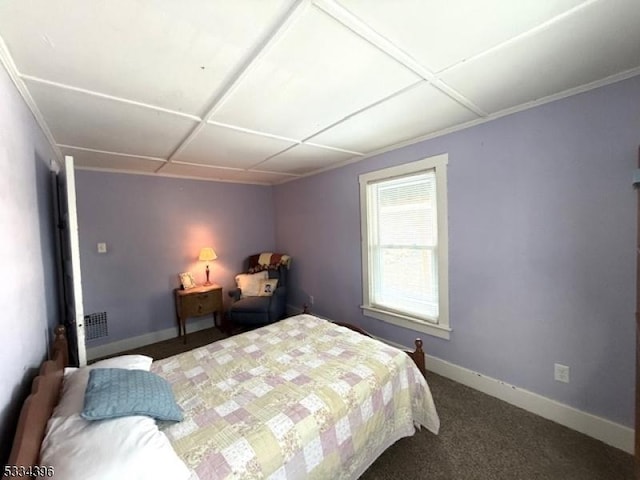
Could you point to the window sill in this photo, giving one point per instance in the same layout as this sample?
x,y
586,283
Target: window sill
x,y
407,322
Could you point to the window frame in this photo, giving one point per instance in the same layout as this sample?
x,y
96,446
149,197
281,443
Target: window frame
x,y
438,163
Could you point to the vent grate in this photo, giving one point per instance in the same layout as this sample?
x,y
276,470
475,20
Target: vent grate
x,y
95,325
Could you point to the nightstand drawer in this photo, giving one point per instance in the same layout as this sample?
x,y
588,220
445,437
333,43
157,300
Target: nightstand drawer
x,y
203,301
196,302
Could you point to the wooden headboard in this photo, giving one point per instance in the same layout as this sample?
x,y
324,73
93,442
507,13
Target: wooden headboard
x,y
37,408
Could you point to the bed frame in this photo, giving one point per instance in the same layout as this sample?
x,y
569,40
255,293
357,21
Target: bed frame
x,y
417,355
45,393
39,405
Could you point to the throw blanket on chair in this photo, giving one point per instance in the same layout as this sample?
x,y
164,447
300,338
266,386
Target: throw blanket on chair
x,y
267,261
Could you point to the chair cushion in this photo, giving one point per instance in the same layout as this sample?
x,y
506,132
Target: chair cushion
x,y
252,305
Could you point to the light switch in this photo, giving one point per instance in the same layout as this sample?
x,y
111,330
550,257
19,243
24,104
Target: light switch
x,y
102,248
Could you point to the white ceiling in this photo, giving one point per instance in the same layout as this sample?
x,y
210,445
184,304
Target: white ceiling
x,y
263,91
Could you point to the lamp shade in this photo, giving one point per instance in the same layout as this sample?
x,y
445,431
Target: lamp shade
x,y
207,254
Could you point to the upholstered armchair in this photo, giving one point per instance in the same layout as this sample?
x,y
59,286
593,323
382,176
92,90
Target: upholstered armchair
x,y
261,294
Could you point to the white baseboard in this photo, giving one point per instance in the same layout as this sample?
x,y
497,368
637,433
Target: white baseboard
x,y
146,339
606,431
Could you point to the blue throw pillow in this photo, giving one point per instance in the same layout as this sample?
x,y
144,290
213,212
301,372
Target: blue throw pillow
x,y
117,392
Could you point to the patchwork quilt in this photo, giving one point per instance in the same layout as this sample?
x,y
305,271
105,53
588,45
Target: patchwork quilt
x,y
301,398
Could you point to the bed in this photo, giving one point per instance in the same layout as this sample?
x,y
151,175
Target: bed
x,y
301,398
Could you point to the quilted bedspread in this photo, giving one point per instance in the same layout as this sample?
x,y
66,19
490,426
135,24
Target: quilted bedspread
x,y
301,398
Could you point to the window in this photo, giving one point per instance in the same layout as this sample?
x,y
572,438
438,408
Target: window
x,y
404,245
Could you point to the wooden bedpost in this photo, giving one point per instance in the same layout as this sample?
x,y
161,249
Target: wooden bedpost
x,y
60,346
418,356
60,332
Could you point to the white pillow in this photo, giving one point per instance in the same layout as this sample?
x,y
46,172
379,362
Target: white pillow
x,y
249,283
75,381
131,448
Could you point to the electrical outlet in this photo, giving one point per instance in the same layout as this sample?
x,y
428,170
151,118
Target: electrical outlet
x,y
311,299
561,373
102,247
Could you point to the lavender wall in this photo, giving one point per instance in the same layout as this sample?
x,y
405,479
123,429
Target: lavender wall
x,y
28,295
542,246
154,229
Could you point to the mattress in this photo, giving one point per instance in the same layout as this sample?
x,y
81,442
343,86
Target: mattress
x,y
301,398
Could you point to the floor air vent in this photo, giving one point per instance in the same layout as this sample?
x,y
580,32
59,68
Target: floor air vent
x,y
95,325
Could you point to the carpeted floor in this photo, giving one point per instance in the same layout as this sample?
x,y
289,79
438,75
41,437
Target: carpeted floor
x,y
481,438
173,346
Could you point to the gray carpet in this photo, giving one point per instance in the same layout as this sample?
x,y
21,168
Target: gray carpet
x,y
173,346
481,438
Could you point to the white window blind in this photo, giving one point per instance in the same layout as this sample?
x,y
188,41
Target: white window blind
x,y
403,245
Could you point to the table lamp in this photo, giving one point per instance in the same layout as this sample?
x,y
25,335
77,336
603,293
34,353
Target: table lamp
x,y
206,255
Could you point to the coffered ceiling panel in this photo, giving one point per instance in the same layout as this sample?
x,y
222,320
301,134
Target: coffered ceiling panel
x,y
600,40
262,91
441,34
162,52
303,159
419,110
81,120
222,146
106,161
223,174
306,82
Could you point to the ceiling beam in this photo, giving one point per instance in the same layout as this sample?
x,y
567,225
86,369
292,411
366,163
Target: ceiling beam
x,y
109,152
527,33
105,96
336,11
294,12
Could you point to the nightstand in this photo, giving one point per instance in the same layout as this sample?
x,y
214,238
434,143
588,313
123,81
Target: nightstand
x,y
197,301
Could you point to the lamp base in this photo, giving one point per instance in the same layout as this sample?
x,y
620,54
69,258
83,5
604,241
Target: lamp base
x,y
207,282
